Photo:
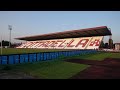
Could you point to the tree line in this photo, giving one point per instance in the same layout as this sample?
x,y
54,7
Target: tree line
x,y
5,43
108,45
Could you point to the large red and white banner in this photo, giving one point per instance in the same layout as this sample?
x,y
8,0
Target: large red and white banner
x,y
70,43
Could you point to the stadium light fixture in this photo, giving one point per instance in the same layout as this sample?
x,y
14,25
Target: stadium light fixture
x,y
10,28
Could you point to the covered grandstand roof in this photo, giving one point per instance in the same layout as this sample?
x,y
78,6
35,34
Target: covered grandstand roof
x,y
88,32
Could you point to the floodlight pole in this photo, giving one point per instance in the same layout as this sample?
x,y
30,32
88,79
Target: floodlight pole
x,y
10,28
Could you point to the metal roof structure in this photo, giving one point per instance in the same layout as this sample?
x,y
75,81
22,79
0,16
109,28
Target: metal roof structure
x,y
88,32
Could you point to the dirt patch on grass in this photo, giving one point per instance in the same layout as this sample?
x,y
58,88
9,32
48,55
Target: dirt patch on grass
x,y
106,69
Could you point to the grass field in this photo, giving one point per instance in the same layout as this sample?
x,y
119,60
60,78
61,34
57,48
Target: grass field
x,y
6,51
53,69
98,56
49,69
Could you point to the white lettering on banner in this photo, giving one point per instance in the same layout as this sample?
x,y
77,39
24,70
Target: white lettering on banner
x,y
70,43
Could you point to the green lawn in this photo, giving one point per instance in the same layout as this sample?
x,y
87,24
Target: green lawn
x,y
96,56
6,51
49,69
115,55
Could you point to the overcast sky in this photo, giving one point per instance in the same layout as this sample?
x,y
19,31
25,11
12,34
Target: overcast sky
x,y
27,23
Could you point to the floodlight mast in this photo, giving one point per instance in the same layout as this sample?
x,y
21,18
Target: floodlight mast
x,y
10,28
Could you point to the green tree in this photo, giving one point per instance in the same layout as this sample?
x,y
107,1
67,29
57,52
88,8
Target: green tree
x,y
106,45
110,43
102,45
5,43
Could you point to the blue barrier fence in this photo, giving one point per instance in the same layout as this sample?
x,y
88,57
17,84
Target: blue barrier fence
x,y
42,56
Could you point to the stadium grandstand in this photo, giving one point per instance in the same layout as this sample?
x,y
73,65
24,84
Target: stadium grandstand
x,y
89,38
